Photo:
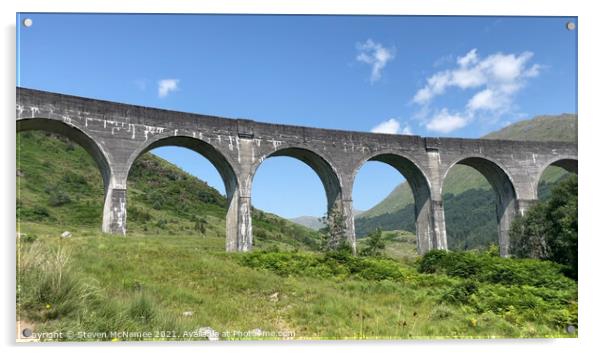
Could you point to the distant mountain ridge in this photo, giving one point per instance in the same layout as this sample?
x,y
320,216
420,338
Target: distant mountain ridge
x,y
396,211
314,222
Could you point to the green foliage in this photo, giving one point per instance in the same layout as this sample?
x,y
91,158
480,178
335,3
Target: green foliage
x,y
549,229
28,238
200,224
332,264
375,244
334,234
58,198
519,290
483,267
318,295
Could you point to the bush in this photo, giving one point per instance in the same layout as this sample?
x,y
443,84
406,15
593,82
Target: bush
x,y
36,213
58,198
461,293
549,229
375,244
75,179
332,264
494,269
28,238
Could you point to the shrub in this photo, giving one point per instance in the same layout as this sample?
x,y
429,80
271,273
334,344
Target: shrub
x,y
28,238
461,293
75,179
36,213
375,244
494,269
332,264
58,198
549,229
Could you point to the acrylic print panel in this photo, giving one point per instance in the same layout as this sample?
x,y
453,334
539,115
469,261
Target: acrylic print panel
x,y
237,177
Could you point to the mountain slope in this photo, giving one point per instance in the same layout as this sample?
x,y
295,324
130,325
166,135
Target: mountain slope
x,y
310,222
396,210
60,185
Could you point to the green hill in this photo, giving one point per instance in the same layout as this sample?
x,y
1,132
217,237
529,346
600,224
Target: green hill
x,y
467,193
59,184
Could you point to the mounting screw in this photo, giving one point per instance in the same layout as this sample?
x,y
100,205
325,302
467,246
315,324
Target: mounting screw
x,y
570,25
27,22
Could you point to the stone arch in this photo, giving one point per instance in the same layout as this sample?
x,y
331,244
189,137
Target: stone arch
x,y
568,163
317,162
76,135
218,160
503,187
421,190
200,146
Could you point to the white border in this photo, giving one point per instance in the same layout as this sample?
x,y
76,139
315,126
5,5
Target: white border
x,y
590,115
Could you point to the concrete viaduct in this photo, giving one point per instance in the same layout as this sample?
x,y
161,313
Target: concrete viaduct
x,y
116,134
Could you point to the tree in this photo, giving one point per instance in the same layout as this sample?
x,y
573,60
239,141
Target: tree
x,y
375,244
334,236
549,229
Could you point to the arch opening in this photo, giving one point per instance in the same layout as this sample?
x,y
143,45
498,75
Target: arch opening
x,y
320,166
480,203
167,193
74,134
61,178
296,184
554,173
412,205
206,150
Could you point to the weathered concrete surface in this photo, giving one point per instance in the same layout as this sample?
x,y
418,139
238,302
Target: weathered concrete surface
x,y
116,134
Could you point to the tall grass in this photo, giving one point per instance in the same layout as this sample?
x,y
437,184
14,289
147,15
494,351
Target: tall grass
x,y
48,288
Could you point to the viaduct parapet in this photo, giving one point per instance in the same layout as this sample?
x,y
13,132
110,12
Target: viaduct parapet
x,y
116,134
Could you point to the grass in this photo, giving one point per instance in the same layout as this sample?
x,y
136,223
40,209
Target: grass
x,y
147,283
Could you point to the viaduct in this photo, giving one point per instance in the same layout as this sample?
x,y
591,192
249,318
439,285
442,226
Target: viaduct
x,y
116,134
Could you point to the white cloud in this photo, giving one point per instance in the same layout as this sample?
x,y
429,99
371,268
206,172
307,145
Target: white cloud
x,y
500,74
469,58
390,126
484,100
444,122
374,54
166,86
495,80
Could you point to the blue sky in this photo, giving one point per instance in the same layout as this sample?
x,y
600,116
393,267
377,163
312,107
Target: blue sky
x,y
431,76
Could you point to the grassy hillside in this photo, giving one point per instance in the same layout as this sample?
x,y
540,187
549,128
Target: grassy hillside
x,y
467,193
170,276
59,184
179,284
